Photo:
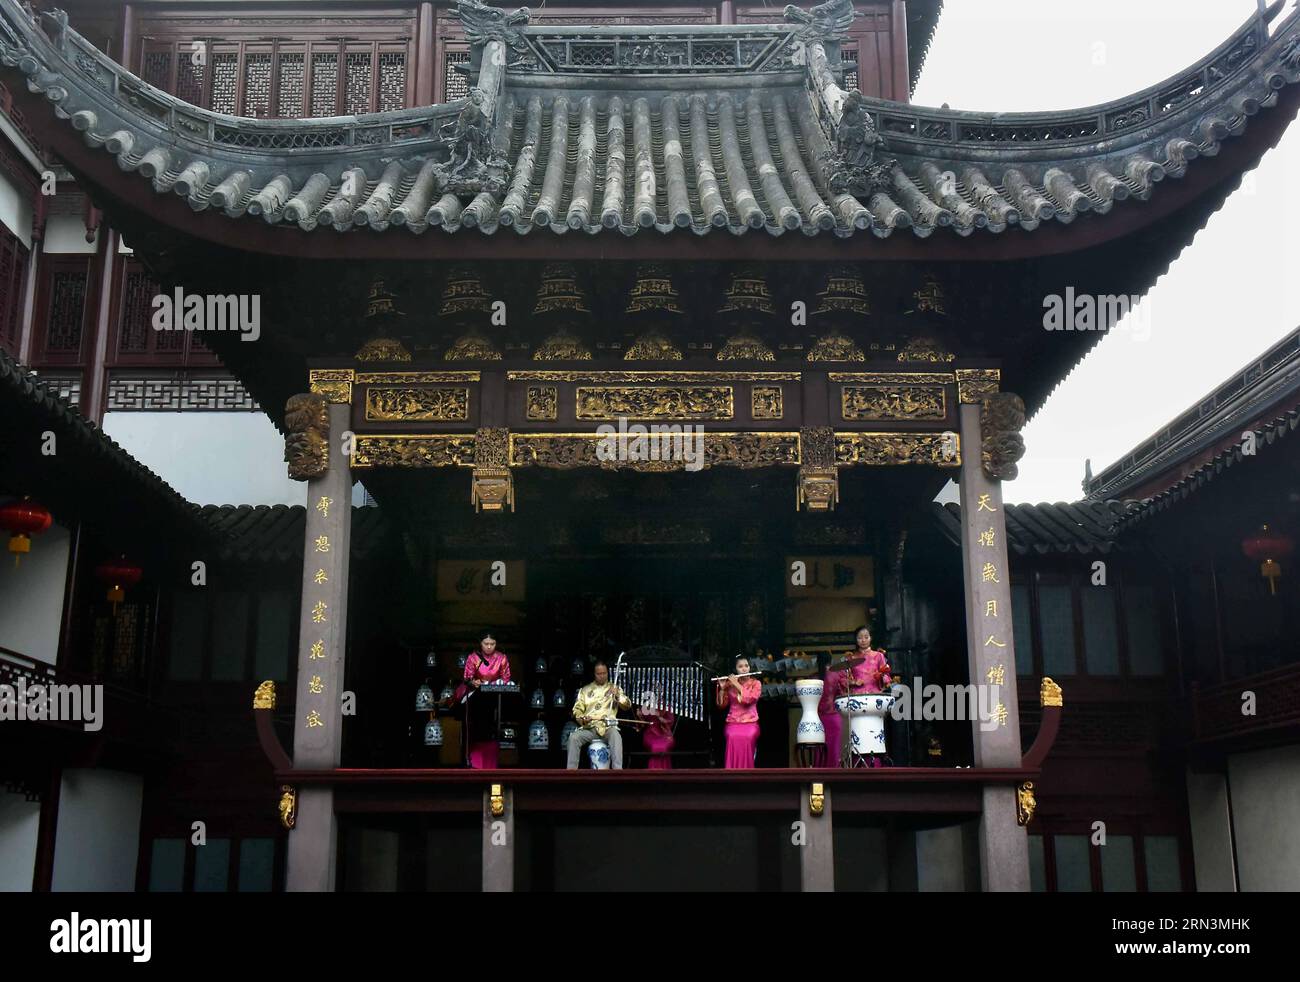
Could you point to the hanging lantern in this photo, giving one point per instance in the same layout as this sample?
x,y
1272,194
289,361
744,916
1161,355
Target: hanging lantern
x,y
1266,547
538,699
23,519
118,574
558,699
446,695
424,698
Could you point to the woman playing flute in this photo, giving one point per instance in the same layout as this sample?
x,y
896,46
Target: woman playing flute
x,y
740,697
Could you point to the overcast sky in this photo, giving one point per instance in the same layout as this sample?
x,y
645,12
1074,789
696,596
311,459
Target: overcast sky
x,y
1229,296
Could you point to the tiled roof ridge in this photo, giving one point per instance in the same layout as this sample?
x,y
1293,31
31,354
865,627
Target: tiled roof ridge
x,y
964,171
1266,435
1282,375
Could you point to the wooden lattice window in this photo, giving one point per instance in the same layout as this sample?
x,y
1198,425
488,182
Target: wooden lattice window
x,y
137,343
281,78
63,309
13,289
849,56
455,84
135,329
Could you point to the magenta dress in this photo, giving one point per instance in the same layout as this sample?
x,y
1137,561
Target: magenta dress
x,y
483,746
742,724
831,719
870,676
658,739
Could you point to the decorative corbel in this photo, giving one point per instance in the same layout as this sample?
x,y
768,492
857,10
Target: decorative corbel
x,y
1002,415
819,481
307,436
497,801
1052,702
493,486
263,709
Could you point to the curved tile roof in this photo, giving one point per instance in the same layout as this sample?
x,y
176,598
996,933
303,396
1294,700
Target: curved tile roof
x,y
87,455
1077,528
276,533
1266,435
714,129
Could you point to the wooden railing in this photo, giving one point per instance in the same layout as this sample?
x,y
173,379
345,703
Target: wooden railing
x,y
1226,710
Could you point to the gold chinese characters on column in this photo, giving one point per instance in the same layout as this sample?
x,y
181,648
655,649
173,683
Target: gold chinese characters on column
x,y
987,541
319,615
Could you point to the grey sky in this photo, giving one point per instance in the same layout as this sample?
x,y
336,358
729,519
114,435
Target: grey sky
x,y
1225,299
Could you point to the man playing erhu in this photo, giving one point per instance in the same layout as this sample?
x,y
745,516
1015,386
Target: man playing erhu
x,y
595,711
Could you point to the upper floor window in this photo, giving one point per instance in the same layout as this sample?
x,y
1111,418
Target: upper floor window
x,y
13,289
1065,624
285,78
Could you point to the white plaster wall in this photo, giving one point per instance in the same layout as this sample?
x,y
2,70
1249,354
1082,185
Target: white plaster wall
x,y
67,234
19,821
1211,821
31,596
98,838
211,458
15,211
1265,790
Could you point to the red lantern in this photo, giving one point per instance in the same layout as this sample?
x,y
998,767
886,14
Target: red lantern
x,y
118,574
1266,547
23,519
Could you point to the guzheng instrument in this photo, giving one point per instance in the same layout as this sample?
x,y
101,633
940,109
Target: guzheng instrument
x,y
663,678
502,688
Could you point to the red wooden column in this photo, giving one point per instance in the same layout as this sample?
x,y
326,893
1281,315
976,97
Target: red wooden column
x,y
425,56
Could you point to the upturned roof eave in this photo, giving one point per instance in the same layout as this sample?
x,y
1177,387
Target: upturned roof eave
x,y
1026,184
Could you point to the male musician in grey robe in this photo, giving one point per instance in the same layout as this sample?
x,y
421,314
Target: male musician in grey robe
x,y
594,711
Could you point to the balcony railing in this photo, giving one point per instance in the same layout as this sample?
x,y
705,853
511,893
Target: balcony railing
x,y
1225,710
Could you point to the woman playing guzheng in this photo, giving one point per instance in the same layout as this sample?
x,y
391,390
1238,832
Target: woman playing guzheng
x,y
485,665
739,696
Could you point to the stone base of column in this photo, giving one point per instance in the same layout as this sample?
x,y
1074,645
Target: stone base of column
x,y
1003,844
313,844
817,854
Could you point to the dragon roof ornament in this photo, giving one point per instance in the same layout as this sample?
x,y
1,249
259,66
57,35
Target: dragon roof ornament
x,y
484,24
827,21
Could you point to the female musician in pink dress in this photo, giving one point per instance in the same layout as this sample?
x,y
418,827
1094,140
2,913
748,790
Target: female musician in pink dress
x,y
741,696
485,665
871,675
658,737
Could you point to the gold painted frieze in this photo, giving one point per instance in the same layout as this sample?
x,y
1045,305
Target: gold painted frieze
x,y
429,405
655,402
873,402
